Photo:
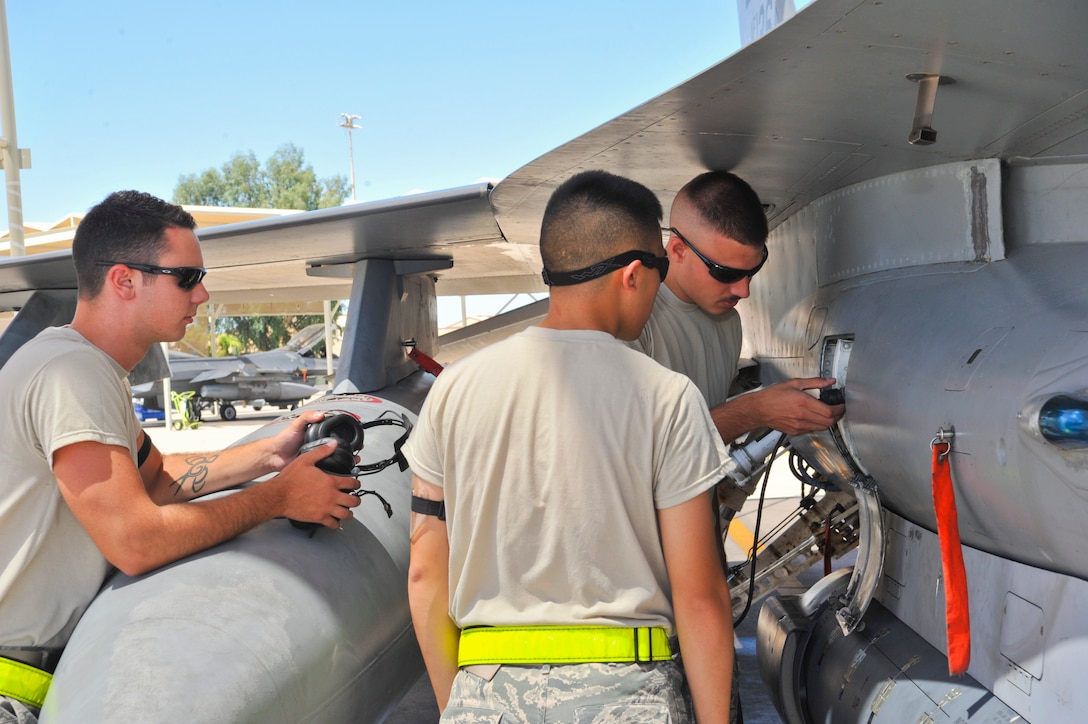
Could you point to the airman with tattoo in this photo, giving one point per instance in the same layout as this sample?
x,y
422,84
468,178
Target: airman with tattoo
x,y
84,489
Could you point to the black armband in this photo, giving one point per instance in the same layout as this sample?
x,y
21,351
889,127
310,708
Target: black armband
x,y
145,450
436,508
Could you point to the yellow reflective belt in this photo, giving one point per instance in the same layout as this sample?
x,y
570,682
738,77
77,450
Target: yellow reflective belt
x,y
23,682
562,645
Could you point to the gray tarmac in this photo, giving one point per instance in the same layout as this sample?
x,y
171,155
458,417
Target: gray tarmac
x,y
418,706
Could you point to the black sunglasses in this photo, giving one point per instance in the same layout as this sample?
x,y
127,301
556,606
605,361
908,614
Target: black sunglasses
x,y
187,276
720,272
611,264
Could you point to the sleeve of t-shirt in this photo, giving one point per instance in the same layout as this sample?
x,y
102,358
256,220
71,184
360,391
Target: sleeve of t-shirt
x,y
692,456
77,399
423,450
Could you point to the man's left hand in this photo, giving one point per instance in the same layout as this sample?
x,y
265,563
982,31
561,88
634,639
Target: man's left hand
x,y
285,445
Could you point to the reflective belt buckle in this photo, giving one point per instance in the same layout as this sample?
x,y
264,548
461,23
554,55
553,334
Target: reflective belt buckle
x,y
24,682
562,645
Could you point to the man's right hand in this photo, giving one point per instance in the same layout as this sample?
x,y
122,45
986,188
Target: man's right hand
x,y
313,496
785,407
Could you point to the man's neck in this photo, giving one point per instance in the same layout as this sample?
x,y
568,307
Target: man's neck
x,y
553,321
577,312
108,335
677,292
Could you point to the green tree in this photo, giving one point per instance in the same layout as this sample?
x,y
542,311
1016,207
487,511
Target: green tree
x,y
285,182
262,333
228,345
257,334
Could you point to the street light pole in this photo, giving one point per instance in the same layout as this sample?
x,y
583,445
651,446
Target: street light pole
x,y
348,123
11,157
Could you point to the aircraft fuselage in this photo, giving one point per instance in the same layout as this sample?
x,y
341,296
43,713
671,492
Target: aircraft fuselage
x,y
958,296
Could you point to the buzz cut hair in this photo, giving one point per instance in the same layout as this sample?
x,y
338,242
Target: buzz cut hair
x,y
127,226
594,215
729,205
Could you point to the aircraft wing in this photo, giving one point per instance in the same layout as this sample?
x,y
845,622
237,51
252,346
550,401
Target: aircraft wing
x,y
214,374
305,257
22,276
824,102
438,225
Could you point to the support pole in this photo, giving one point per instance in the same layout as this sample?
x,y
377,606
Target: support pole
x,y
9,145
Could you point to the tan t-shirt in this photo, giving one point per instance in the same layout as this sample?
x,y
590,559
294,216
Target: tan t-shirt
x,y
687,340
555,449
58,389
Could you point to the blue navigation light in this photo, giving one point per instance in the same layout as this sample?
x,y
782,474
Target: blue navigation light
x,y
1063,420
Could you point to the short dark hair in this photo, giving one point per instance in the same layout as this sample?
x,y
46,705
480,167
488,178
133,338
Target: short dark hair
x,y
729,205
594,215
125,226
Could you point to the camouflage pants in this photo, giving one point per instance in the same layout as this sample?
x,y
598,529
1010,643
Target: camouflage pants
x,y
13,711
579,693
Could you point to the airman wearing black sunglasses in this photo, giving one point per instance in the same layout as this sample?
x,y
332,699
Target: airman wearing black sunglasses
x,y
716,241
84,486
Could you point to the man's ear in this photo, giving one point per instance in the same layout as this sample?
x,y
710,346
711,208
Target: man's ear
x,y
629,275
675,248
121,281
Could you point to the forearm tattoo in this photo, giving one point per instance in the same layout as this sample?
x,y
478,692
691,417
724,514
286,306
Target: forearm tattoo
x,y
197,474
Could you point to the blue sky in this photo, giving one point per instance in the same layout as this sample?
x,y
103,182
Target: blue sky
x,y
133,94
